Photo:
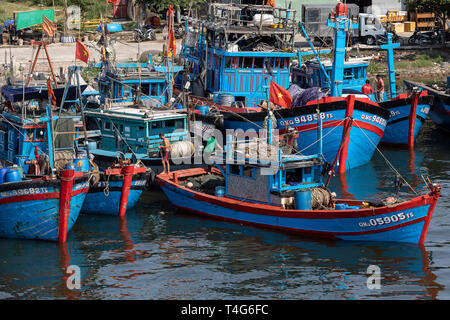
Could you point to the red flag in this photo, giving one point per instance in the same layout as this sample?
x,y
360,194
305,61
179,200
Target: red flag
x,y
271,3
114,1
82,53
279,96
48,26
172,45
51,94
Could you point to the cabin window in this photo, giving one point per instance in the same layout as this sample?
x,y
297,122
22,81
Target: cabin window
x,y
107,125
145,88
162,89
235,169
248,63
30,134
248,172
277,63
141,132
348,74
156,124
121,128
40,134
154,89
179,123
169,123
228,63
99,124
236,62
258,63
284,63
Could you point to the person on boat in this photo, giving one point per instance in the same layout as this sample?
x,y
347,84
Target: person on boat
x,y
367,88
380,88
165,148
210,148
289,141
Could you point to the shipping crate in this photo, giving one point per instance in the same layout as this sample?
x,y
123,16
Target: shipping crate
x,y
398,27
409,26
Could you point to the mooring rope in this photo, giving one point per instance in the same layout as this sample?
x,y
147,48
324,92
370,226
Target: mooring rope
x,y
385,159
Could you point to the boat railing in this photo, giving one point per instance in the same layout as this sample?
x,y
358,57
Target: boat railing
x,y
251,15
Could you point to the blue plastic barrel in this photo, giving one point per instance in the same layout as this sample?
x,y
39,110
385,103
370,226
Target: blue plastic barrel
x,y
3,172
220,191
202,109
178,106
13,175
112,27
303,199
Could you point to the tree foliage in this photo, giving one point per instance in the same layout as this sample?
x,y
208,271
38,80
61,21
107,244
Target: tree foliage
x,y
89,8
441,8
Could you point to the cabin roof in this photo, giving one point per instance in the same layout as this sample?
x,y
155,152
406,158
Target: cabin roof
x,y
127,111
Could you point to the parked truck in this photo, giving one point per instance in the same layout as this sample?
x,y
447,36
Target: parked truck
x,y
314,18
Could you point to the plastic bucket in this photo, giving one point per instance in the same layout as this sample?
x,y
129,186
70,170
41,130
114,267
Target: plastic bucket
x,y
220,191
303,200
13,175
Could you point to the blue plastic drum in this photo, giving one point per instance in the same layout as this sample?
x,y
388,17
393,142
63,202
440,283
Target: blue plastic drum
x,y
303,200
220,191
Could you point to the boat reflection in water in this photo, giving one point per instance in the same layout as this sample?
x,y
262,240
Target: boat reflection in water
x,y
374,181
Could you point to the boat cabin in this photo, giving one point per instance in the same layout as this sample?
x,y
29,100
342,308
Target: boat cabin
x,y
310,74
274,180
126,125
238,50
124,82
23,139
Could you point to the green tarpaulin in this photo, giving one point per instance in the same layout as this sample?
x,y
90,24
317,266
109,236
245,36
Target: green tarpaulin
x,y
31,18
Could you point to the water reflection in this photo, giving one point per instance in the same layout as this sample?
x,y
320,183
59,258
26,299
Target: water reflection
x,y
158,253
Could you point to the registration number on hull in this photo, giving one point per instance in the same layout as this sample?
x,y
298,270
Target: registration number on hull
x,y
387,220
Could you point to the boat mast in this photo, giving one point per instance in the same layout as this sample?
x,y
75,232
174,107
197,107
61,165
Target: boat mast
x,y
341,24
391,67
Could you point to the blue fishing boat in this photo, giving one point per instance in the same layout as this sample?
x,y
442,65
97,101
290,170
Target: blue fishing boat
x,y
269,187
127,82
407,111
44,208
440,110
131,131
357,139
41,140
228,56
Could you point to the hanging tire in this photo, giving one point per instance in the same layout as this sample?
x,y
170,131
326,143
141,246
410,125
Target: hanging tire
x,y
370,41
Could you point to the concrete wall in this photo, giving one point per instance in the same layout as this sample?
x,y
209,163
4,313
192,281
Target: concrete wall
x,y
380,7
297,5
